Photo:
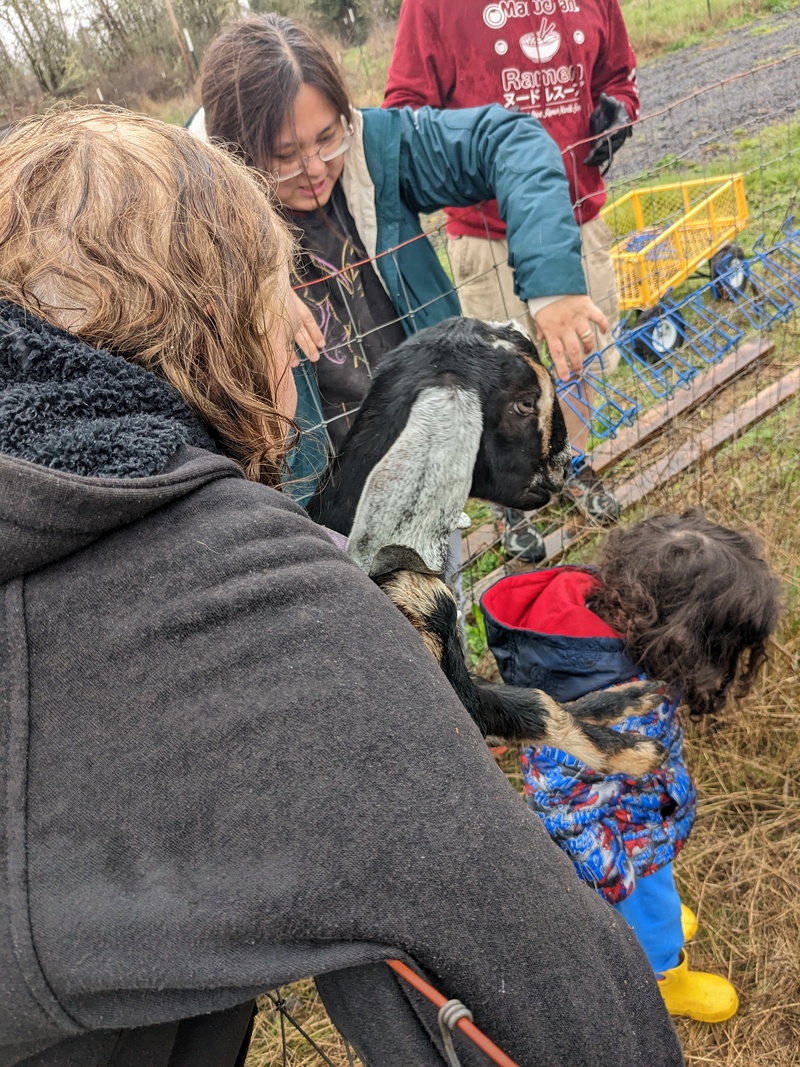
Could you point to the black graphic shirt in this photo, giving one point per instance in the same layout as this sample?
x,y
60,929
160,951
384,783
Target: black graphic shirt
x,y
350,305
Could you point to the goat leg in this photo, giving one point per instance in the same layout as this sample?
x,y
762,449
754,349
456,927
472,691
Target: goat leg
x,y
611,705
526,716
531,717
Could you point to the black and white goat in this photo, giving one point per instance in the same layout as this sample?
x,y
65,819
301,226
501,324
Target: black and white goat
x,y
466,408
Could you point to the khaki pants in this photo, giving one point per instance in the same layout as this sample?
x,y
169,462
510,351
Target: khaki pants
x,y
485,284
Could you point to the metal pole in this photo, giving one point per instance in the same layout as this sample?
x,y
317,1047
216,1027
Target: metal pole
x,y
190,46
175,29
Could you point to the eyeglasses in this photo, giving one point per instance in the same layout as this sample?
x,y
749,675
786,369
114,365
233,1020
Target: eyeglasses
x,y
329,147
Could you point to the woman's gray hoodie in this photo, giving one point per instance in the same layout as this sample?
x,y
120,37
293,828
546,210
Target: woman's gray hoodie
x,y
228,762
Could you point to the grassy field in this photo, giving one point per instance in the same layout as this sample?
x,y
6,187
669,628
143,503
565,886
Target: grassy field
x,y
767,157
655,26
742,868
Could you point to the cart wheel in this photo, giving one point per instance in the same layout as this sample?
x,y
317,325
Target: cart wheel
x,y
657,333
730,261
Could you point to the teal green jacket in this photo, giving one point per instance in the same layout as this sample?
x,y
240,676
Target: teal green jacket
x,y
405,162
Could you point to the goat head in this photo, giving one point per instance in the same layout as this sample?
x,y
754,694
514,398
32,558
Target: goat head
x,y
464,408
482,420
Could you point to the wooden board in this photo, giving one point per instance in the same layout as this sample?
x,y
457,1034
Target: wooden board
x,y
699,389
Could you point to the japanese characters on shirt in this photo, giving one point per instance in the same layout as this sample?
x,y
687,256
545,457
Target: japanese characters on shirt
x,y
560,50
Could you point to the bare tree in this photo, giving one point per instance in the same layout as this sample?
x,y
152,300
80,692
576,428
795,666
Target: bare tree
x,y
127,45
124,29
12,78
39,29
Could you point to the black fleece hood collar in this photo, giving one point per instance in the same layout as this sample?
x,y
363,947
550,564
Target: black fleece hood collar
x,y
89,442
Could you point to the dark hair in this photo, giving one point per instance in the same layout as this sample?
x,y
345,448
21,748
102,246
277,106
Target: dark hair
x,y
251,75
694,601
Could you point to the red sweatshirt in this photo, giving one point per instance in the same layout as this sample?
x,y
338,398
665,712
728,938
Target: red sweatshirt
x,y
552,58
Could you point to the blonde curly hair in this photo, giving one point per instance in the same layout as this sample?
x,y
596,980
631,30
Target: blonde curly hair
x,y
139,238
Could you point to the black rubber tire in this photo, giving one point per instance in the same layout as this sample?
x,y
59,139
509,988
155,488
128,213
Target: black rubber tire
x,y
666,334
727,257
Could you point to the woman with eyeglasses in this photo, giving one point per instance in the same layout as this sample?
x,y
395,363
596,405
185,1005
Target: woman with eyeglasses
x,y
353,182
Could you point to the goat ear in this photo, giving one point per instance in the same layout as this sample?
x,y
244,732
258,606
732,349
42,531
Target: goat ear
x,y
414,497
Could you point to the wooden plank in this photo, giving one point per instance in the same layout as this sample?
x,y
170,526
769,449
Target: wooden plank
x,y
663,470
477,542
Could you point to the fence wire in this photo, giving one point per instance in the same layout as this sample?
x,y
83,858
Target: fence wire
x,y
726,189
699,404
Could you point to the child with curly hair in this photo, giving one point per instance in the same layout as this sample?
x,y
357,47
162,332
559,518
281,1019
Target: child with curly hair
x,y
674,597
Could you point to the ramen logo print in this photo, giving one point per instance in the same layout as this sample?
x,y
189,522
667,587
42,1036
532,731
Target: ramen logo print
x,y
542,44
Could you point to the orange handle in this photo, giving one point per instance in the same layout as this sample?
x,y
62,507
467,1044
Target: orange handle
x,y
468,1028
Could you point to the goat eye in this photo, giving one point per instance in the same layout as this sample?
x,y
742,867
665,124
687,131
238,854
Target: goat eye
x,y
524,407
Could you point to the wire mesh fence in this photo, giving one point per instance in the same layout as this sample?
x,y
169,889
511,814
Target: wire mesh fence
x,y
706,257
694,401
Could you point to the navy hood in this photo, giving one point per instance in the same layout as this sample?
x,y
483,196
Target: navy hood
x,y
543,636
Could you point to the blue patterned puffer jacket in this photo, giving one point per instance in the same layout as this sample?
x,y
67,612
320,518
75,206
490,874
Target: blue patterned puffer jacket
x,y
615,828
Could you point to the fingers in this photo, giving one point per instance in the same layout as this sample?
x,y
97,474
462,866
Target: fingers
x,y
598,318
308,336
309,339
589,337
566,352
309,344
587,340
567,325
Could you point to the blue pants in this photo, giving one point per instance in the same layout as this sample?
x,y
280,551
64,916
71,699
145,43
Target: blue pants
x,y
653,911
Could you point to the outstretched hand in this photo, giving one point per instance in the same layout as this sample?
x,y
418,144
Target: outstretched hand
x,y
566,326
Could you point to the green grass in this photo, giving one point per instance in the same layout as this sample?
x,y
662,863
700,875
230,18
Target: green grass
x,y
657,26
476,635
479,511
482,566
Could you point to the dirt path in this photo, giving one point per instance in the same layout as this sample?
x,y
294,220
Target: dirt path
x,y
767,94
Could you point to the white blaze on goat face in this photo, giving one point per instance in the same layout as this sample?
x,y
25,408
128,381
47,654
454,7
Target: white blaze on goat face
x,y
547,400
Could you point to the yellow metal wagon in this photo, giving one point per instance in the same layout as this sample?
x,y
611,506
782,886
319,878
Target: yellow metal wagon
x,y
664,233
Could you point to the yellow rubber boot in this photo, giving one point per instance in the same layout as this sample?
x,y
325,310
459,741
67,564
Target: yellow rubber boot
x,y
709,998
688,923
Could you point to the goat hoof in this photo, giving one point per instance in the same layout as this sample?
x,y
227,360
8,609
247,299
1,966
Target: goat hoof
x,y
618,703
641,758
